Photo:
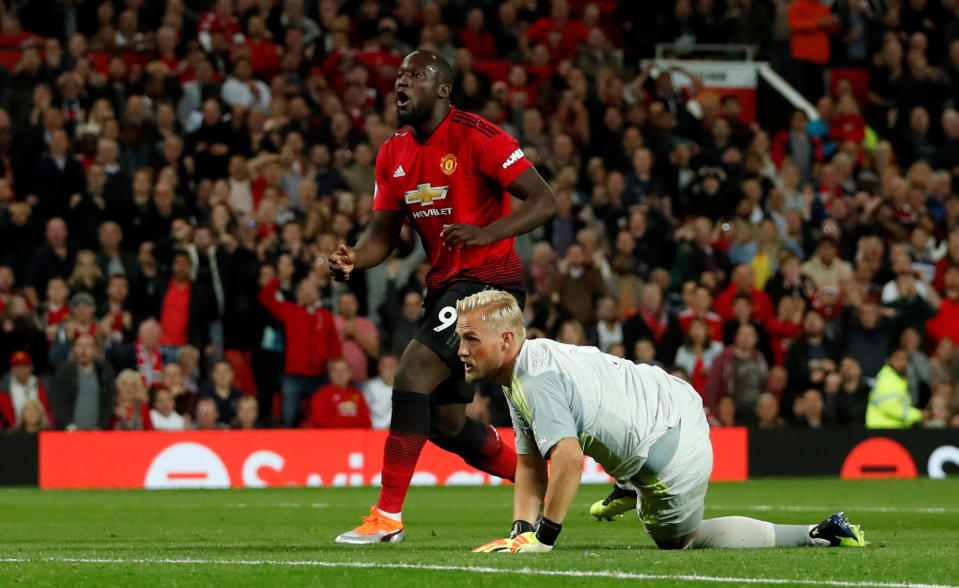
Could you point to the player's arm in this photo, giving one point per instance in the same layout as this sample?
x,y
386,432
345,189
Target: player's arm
x,y
539,204
566,461
529,487
374,246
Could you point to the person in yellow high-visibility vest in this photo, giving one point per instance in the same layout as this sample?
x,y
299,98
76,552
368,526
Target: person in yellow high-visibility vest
x,y
890,403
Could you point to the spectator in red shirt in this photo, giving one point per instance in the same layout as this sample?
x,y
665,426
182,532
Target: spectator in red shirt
x,y
338,404
699,308
945,325
810,22
55,309
848,124
18,387
264,54
132,411
220,21
558,32
174,308
743,281
476,39
311,340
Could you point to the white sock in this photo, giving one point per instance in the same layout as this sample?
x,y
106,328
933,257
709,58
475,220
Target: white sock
x,y
396,516
744,532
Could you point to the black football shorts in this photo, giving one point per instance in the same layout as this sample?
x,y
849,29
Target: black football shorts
x,y
438,332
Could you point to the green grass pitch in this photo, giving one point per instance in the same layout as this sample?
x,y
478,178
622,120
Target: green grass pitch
x,y
284,537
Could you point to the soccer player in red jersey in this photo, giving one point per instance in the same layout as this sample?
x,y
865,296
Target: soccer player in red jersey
x,y
451,174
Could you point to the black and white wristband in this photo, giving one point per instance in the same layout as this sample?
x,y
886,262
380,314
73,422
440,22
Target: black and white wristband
x,y
520,527
548,531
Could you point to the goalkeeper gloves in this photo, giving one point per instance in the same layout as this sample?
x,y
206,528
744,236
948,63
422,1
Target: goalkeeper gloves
x,y
524,540
505,545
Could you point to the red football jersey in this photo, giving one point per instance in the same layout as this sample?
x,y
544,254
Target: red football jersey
x,y
459,175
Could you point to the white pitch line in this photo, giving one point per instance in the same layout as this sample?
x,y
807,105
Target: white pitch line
x,y
849,508
483,570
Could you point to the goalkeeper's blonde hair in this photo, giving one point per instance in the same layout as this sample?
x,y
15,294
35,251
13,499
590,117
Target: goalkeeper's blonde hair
x,y
498,308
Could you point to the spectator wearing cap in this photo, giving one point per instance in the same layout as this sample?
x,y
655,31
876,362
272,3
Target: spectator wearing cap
x,y
18,387
82,321
825,268
84,389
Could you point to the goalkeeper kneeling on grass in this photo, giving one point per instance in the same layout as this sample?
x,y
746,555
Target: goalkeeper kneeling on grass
x,y
646,428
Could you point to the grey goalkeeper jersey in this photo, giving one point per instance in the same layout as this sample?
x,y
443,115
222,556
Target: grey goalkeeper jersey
x,y
616,409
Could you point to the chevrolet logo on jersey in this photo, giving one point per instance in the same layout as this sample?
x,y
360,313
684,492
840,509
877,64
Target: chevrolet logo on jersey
x,y
425,194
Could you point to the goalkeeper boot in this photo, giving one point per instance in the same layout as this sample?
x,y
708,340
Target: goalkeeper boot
x,y
839,532
618,502
376,528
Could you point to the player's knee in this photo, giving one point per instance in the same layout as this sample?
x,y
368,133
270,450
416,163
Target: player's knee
x,y
444,431
673,542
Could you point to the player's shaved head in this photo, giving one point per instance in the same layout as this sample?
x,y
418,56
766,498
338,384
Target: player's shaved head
x,y
444,71
424,81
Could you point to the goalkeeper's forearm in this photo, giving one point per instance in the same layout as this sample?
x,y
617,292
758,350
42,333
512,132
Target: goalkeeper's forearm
x,y
529,487
566,459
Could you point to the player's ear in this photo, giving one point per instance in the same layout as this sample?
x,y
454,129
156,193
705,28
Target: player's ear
x,y
444,91
507,339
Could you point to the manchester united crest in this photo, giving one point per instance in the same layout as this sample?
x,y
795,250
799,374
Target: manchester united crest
x,y
448,164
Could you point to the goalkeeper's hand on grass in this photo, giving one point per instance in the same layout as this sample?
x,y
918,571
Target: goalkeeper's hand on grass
x,y
505,545
529,543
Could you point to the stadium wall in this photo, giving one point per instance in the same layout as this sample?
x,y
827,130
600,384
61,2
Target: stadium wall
x,y
221,459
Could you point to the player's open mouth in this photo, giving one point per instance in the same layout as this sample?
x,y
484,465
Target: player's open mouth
x,y
402,100
467,367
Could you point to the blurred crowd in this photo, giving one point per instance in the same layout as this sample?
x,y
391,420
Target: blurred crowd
x,y
172,170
